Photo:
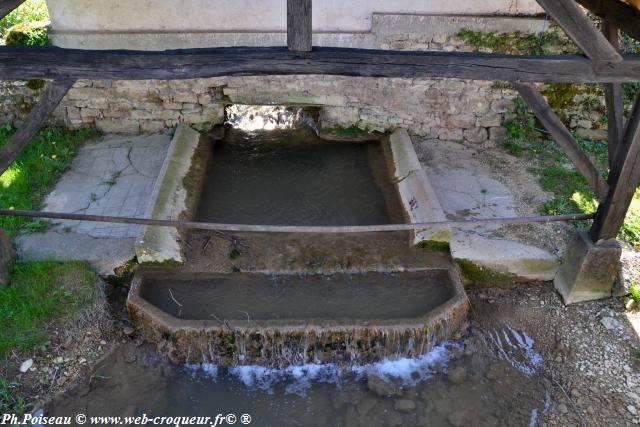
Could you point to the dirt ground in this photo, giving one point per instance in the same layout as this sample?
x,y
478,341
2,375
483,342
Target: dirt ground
x,y
594,372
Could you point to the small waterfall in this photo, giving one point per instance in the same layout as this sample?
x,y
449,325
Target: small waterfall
x,y
254,118
279,348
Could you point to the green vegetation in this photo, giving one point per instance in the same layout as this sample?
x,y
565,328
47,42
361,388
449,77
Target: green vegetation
x,y
348,132
553,41
40,165
9,402
434,245
40,292
634,292
29,11
525,136
557,174
28,34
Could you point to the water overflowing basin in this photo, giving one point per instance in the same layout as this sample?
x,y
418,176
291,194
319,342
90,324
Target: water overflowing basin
x,y
281,319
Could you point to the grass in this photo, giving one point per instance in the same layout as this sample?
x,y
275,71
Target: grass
x,y
10,403
571,193
556,173
634,292
28,179
40,292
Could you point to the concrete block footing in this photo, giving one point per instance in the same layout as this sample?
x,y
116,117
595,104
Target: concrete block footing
x,y
589,270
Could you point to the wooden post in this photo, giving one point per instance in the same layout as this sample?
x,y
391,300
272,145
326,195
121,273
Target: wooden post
x,y
623,15
53,94
563,137
299,32
7,6
613,99
580,29
624,178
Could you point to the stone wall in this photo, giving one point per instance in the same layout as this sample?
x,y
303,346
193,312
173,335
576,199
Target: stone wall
x,y
441,108
450,109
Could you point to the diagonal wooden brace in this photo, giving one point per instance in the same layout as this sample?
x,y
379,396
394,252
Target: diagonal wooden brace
x,y
53,94
6,6
563,137
580,29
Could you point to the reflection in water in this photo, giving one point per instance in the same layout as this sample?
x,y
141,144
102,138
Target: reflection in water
x,y
466,383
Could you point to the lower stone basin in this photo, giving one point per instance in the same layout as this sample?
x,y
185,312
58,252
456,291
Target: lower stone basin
x,y
282,319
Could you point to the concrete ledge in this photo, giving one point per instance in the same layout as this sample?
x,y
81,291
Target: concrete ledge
x,y
494,259
173,197
416,193
589,269
385,29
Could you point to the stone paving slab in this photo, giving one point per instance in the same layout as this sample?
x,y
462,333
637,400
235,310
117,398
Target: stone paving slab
x,y
467,188
113,175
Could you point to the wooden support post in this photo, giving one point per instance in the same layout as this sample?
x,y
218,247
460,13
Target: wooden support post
x,y
563,137
6,6
624,179
580,29
299,32
53,94
623,15
613,99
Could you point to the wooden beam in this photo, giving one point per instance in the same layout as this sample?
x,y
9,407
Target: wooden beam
x,y
613,99
299,32
624,179
580,29
53,94
622,15
6,6
563,137
27,62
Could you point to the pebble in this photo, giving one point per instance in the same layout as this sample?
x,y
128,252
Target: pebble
x,y
24,367
404,405
58,360
632,409
103,342
610,323
562,408
457,375
128,330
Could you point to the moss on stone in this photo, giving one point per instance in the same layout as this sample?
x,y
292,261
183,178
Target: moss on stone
x,y
480,275
36,84
434,245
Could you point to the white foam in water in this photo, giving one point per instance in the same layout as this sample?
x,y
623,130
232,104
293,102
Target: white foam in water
x,y
409,370
209,370
519,352
298,379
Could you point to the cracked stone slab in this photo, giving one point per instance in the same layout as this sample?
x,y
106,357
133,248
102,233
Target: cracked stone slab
x,y
113,175
466,190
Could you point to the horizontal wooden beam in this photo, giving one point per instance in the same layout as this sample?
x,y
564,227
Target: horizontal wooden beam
x,y
25,62
49,100
622,15
6,6
624,179
294,228
299,30
563,137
